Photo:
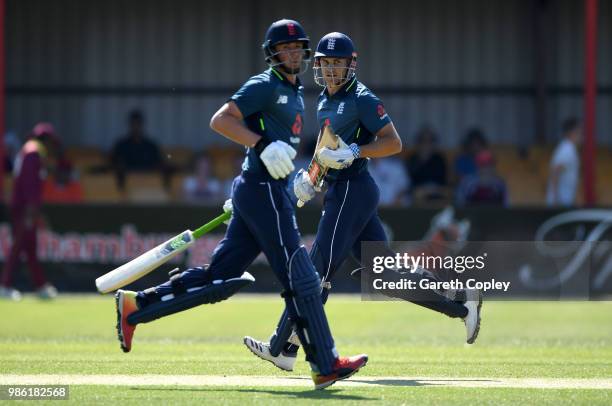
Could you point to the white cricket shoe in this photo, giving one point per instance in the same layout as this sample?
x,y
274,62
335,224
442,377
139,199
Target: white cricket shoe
x,y
10,293
283,360
473,302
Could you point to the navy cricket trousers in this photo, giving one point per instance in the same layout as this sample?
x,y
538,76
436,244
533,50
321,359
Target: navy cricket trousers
x,y
263,220
349,217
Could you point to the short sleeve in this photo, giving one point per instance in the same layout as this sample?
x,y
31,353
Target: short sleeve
x,y
561,155
372,112
253,96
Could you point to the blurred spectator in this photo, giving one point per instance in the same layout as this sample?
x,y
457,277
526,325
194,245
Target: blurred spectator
x,y
30,169
465,163
565,166
201,186
392,180
427,168
485,187
136,152
63,185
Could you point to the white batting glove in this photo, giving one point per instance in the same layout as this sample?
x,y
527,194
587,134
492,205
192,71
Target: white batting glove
x,y
340,158
228,207
303,187
278,158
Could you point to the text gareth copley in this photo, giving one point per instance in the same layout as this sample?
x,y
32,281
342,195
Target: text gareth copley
x,y
406,284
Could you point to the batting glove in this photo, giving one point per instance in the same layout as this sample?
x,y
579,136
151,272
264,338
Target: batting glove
x,y
340,158
228,207
278,159
302,186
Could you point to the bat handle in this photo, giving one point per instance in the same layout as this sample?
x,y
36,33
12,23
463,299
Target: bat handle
x,y
300,204
212,224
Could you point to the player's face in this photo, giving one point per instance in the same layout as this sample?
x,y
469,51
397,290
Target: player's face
x,y
291,55
334,70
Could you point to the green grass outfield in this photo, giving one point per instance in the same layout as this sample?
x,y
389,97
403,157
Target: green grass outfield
x,y
75,335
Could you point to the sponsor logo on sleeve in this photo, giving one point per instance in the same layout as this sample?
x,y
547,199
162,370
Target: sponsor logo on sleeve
x,y
382,114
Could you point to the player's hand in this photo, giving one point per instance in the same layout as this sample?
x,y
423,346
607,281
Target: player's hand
x,y
228,207
278,158
303,187
340,158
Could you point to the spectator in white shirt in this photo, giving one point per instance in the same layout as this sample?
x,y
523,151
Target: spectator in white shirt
x,y
565,166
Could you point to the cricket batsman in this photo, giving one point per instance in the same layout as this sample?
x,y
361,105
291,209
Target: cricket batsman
x,y
265,115
350,207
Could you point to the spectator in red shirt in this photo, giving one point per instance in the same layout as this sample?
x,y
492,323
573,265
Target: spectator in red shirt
x,y
29,172
486,187
465,163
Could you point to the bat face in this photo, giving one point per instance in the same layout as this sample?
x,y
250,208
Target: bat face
x,y
177,243
328,139
145,263
316,171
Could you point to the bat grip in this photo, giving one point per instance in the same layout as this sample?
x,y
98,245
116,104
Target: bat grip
x,y
211,225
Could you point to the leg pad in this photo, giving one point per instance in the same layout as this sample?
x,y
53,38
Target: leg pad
x,y
214,292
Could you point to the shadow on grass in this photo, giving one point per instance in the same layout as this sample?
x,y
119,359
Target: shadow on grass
x,y
415,382
332,394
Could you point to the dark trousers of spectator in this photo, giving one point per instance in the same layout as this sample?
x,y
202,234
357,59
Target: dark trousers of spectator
x,y
24,241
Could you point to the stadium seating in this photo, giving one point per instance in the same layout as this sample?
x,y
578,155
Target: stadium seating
x,y
526,173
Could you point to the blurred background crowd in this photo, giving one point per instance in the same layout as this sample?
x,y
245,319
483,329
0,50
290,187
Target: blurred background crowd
x,y
477,172
488,97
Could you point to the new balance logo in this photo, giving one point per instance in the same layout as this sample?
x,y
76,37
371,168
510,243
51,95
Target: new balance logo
x,y
282,99
340,108
331,44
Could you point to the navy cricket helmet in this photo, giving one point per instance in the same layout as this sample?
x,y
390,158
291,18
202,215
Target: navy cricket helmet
x,y
283,31
335,45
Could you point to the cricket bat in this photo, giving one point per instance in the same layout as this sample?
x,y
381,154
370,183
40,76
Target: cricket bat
x,y
150,260
316,171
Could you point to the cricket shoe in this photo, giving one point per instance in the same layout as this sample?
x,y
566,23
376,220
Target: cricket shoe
x,y
473,302
344,368
10,293
284,360
125,300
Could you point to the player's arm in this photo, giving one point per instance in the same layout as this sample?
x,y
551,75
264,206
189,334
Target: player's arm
x,y
277,156
386,143
373,117
229,122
